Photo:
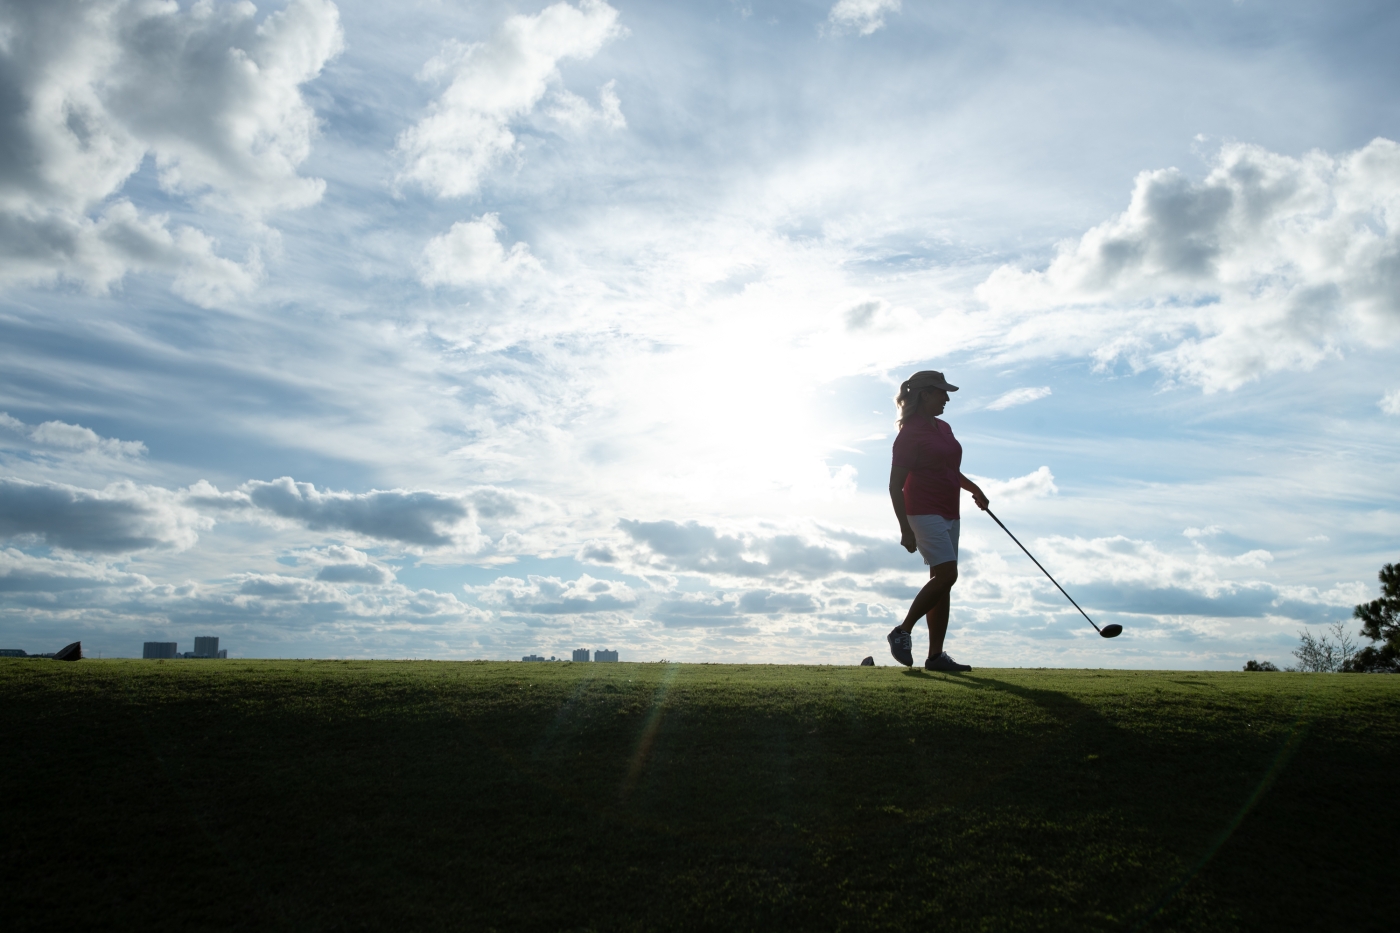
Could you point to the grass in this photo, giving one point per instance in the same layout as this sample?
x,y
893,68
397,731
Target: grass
x,y
318,795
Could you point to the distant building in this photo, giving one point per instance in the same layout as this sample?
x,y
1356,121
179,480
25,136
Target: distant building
x,y
532,657
206,646
603,654
21,653
159,649
580,654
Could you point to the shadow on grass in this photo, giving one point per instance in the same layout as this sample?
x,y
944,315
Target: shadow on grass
x,y
942,677
1059,705
1199,685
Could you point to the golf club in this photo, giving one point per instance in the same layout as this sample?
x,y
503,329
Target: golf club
x,y
1108,631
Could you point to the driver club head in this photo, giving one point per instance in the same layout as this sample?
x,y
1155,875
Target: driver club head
x,y
1111,631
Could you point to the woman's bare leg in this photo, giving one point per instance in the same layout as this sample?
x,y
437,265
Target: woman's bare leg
x,y
938,625
933,601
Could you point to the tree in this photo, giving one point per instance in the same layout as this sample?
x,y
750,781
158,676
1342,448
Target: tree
x,y
1380,621
1260,666
1322,655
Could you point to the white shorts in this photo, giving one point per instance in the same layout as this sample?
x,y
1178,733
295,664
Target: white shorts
x,y
937,538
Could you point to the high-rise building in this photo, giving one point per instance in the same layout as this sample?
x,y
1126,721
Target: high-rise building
x,y
159,649
206,646
603,654
580,654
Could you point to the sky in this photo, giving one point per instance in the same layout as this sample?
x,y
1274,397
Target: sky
x,y
476,330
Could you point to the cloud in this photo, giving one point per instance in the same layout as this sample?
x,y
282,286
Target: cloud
x,y
876,317
574,111
51,587
861,316
553,596
693,547
467,130
295,602
341,564
372,574
464,521
1034,485
61,437
861,16
27,573
122,518
1390,402
126,517
698,611
1120,574
423,518
255,612
1123,560
1018,397
41,246
767,602
212,95
597,552
471,254
1269,263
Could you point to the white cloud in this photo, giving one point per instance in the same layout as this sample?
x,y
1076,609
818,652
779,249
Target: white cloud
x,y
413,517
1270,263
572,110
28,573
122,518
1390,402
212,95
768,602
471,253
42,246
1120,574
461,523
696,548
341,564
1138,576
70,438
1034,485
1019,397
467,130
552,596
861,16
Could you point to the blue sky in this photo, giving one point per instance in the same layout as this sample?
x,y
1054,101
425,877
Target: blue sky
x,y
475,330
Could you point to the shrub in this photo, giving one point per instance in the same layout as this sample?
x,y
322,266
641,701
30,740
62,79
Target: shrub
x,y
1322,655
1260,666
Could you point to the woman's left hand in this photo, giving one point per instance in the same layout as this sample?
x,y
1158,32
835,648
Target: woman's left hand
x,y
981,499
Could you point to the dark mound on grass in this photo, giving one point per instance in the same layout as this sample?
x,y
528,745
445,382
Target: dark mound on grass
x,y
329,795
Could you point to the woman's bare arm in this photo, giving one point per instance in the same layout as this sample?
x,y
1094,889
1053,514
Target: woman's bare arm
x,y
906,533
978,495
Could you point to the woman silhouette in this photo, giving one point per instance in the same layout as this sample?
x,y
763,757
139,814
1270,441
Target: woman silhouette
x,y
925,484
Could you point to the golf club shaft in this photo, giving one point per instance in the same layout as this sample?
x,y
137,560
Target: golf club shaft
x,y
1042,569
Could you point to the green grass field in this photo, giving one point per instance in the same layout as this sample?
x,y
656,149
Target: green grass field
x,y
320,795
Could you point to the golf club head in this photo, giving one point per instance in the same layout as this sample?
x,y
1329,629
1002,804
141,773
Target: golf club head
x,y
1111,631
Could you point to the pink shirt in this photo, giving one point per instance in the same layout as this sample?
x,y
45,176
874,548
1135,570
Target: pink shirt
x,y
933,458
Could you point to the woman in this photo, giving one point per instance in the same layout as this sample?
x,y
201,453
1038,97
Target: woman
x,y
925,480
